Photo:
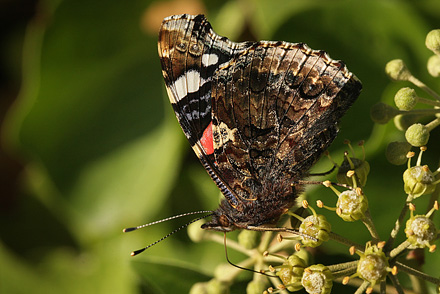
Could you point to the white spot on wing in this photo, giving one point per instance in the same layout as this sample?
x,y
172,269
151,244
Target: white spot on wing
x,y
194,81
189,82
209,59
180,88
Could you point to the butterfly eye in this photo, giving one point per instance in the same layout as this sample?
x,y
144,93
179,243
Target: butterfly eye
x,y
224,221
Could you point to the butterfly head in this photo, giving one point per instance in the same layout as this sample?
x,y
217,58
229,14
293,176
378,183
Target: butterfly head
x,y
220,221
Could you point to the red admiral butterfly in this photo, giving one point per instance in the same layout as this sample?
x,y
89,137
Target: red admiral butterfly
x,y
258,115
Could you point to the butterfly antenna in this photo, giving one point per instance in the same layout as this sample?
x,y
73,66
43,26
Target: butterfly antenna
x,y
240,267
126,230
136,252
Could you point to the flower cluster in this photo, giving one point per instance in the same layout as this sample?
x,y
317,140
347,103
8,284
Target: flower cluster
x,y
284,258
406,117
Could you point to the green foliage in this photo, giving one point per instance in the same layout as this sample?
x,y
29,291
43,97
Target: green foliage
x,y
102,150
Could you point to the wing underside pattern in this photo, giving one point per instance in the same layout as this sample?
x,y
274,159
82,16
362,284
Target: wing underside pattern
x,y
273,106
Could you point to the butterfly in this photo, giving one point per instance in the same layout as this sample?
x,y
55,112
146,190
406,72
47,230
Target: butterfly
x,y
258,115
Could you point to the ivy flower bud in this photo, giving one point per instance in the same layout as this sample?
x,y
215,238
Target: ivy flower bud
x,y
215,286
221,271
406,98
420,231
351,205
317,279
419,180
195,232
256,287
317,227
291,272
381,113
373,265
397,70
396,152
433,66
432,41
199,288
249,239
417,135
360,167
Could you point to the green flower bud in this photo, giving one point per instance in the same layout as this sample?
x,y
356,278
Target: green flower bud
x,y
256,287
195,232
433,41
215,286
373,265
352,206
317,279
199,288
221,271
434,66
417,135
381,113
406,98
397,151
397,70
249,239
291,272
420,231
418,180
317,227
360,167
404,121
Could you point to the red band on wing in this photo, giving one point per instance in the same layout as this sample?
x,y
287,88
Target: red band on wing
x,y
207,141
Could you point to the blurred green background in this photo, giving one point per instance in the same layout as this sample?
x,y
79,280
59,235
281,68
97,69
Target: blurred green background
x,y
90,144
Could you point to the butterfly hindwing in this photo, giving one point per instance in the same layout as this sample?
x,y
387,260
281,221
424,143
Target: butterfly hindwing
x,y
276,112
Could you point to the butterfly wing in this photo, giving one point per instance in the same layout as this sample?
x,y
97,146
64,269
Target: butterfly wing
x,y
258,115
190,53
275,110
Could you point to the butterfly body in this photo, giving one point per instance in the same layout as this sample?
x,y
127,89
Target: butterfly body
x,y
257,114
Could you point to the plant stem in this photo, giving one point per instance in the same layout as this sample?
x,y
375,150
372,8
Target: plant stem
x,y
342,240
362,288
342,266
428,101
383,287
344,273
424,87
368,222
396,251
230,243
404,268
231,274
420,111
434,197
396,229
276,282
433,124
396,284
